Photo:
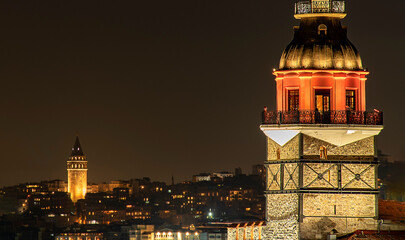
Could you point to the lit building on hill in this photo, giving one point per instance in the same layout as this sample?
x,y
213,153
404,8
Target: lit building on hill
x,y
77,173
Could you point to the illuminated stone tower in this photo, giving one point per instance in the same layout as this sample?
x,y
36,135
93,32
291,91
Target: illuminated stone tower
x,y
77,173
321,162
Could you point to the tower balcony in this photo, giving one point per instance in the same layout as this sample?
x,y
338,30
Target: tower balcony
x,y
315,117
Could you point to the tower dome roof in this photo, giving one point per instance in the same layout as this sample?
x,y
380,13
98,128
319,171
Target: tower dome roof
x,y
321,54
326,55
320,42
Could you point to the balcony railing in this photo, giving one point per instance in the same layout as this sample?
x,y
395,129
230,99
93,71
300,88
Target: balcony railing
x,y
331,6
316,117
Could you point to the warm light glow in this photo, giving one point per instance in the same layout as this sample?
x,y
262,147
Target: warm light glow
x,y
77,179
313,15
298,71
338,82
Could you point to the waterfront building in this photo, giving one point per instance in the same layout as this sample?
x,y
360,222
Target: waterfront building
x,y
321,161
321,155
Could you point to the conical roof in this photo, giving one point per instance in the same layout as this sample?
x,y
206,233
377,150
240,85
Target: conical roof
x,y
77,149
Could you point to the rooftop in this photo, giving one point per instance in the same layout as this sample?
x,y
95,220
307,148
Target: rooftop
x,y
391,210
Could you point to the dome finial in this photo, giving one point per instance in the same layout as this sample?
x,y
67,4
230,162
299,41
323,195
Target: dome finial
x,y
315,8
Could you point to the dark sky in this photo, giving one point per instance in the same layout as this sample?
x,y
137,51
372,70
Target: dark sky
x,y
158,87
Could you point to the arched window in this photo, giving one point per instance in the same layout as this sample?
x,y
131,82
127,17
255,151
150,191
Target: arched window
x,y
322,29
323,152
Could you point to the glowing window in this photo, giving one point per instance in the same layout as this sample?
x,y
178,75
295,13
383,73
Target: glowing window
x,y
322,29
351,100
320,6
293,100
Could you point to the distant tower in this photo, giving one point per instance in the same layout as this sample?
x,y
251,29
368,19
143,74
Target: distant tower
x,y
321,154
77,173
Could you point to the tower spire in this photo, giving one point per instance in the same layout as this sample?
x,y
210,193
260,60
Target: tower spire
x,y
77,148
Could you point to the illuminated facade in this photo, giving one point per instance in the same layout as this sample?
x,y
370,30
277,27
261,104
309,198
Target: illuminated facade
x,y
79,236
77,173
169,235
321,161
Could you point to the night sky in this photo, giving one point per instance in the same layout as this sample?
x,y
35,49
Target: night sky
x,y
155,88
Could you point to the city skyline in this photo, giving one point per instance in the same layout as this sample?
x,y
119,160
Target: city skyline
x,y
164,88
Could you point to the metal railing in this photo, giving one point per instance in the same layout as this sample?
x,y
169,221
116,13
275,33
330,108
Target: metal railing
x,y
316,117
334,6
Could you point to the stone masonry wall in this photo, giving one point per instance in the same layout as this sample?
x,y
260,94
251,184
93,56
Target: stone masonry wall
x,y
281,230
77,184
245,233
291,176
231,233
241,233
342,212
311,228
287,152
273,177
320,175
319,228
321,213
325,175
332,205
282,207
363,147
356,176
282,217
